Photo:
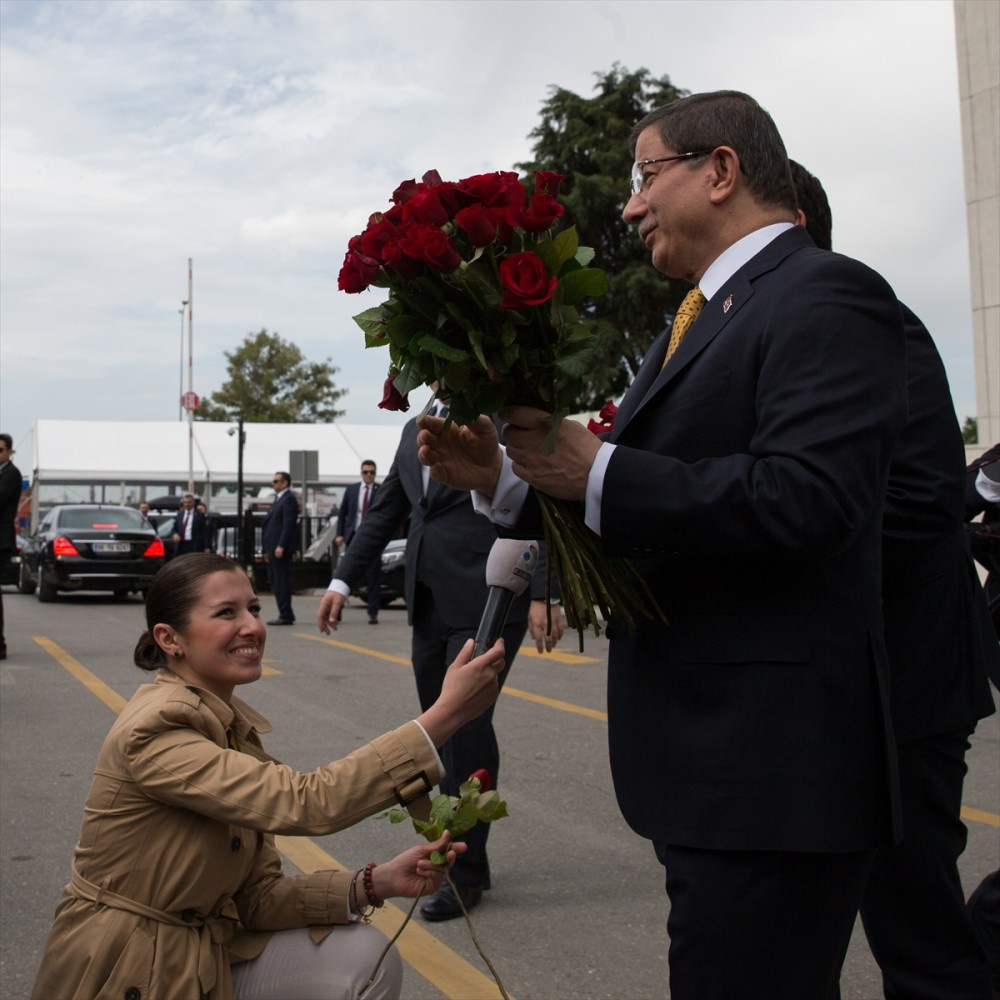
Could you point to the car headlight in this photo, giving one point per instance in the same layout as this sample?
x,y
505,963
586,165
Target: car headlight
x,y
390,559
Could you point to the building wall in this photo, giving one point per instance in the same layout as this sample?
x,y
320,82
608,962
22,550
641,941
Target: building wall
x,y
977,31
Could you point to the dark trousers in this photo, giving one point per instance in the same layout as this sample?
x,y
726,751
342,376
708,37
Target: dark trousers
x,y
279,576
5,557
759,925
435,646
373,583
984,912
914,909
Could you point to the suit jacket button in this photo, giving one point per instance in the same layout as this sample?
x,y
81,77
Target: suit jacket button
x,y
187,916
133,993
236,844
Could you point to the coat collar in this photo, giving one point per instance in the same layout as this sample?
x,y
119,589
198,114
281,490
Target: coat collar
x,y
238,716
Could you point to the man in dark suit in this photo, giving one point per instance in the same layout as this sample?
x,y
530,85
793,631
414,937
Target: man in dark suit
x,y
358,497
190,528
10,496
446,551
745,477
278,537
940,643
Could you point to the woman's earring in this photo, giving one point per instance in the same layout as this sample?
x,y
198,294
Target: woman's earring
x,y
177,654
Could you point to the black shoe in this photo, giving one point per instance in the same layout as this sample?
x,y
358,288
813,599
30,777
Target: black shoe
x,y
282,621
373,620
443,905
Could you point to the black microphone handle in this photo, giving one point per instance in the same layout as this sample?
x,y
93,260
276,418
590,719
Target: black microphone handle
x,y
494,618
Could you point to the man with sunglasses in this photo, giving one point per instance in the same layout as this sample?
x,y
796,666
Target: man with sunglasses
x,y
744,479
358,497
279,538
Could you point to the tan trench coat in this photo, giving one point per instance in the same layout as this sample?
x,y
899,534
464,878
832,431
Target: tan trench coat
x,y
176,875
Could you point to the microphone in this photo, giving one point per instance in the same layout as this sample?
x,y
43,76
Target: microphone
x,y
509,567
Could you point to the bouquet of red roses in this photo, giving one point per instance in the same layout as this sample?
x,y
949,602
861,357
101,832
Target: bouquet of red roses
x,y
483,301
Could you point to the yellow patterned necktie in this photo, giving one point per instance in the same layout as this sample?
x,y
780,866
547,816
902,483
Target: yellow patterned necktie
x,y
688,312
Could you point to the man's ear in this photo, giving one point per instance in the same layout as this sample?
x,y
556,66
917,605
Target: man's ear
x,y
725,174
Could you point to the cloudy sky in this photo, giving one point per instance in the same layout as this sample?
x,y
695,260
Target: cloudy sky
x,y
256,137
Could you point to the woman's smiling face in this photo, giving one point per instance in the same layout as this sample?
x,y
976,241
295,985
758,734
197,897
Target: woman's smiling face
x,y
223,643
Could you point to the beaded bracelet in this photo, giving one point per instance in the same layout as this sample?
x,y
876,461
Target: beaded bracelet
x,y
365,912
369,891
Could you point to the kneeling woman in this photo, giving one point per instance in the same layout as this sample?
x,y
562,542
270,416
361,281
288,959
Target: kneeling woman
x,y
177,889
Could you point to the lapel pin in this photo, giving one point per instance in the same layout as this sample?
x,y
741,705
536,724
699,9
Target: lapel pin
x,y
728,304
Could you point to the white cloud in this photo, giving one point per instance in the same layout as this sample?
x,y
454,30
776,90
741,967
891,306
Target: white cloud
x,y
257,137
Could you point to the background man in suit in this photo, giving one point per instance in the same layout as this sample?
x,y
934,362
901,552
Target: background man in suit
x,y
745,476
278,537
939,639
190,528
358,497
446,551
10,496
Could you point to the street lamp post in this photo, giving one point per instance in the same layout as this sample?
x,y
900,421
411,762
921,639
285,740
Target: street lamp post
x,y
241,439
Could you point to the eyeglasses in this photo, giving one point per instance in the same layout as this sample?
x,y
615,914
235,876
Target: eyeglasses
x,y
639,180
276,482
367,472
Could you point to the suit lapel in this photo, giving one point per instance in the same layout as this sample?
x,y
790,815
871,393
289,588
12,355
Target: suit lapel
x,y
652,378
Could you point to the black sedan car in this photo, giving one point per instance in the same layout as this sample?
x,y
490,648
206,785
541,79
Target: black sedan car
x,y
393,573
90,547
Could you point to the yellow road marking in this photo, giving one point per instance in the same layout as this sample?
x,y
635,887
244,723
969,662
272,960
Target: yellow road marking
x,y
94,684
539,699
563,706
557,655
437,963
445,969
366,650
978,816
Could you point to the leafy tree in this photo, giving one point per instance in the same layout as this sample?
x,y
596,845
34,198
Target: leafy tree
x,y
587,140
270,382
970,430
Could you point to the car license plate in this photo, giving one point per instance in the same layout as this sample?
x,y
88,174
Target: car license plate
x,y
112,547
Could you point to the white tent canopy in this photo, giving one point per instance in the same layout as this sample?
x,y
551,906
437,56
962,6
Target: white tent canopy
x,y
155,453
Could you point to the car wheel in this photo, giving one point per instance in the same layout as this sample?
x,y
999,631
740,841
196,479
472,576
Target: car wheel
x,y
25,584
46,592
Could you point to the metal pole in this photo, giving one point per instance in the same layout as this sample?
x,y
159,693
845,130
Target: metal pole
x,y
190,305
239,496
180,390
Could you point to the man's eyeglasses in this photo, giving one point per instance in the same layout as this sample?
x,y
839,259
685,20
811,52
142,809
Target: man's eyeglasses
x,y
277,482
367,472
639,179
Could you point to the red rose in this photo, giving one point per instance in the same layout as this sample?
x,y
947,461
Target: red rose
x,y
606,417
478,225
357,273
392,398
501,193
525,281
430,245
541,212
405,191
380,233
547,182
483,776
434,205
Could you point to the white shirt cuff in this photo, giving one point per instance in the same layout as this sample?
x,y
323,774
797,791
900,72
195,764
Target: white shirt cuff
x,y
595,487
339,587
504,507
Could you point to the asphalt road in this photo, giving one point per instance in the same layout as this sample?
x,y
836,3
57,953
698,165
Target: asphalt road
x,y
577,909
